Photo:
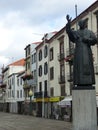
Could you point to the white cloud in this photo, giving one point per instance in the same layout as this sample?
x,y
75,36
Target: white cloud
x,y
21,19
4,60
5,38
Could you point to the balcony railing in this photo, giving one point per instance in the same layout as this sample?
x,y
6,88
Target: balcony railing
x,y
61,56
61,79
27,77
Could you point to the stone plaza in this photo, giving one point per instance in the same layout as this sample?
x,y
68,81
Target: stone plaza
x,y
10,121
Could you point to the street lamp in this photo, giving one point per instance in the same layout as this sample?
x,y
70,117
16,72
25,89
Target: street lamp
x,y
30,105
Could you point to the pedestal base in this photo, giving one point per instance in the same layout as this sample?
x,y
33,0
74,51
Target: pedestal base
x,y
84,110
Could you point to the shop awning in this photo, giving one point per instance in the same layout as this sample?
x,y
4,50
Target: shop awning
x,y
65,102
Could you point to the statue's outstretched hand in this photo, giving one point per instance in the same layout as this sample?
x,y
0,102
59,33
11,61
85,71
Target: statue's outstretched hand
x,y
68,18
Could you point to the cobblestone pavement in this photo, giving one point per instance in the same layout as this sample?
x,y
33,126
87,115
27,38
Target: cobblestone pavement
x,y
24,122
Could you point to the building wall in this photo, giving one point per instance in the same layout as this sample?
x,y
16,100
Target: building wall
x,y
34,69
55,63
42,62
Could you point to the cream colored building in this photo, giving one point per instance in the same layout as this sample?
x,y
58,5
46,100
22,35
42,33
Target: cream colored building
x,y
62,58
58,81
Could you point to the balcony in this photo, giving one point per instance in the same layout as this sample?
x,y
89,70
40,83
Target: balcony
x,y
61,79
61,56
27,77
70,77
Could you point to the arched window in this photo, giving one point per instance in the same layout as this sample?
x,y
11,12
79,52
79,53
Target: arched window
x,y
40,55
45,68
45,51
40,70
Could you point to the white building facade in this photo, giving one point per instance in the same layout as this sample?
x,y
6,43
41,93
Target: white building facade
x,y
12,91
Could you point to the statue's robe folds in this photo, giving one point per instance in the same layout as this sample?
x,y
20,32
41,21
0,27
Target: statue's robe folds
x,y
83,69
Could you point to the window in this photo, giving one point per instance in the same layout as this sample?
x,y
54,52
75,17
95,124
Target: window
x,y
52,91
96,13
34,58
21,81
12,93
8,82
28,50
51,54
40,70
45,85
86,22
25,53
45,51
63,90
62,70
20,93
40,86
40,55
51,73
17,93
62,47
12,80
18,82
45,68
34,74
28,65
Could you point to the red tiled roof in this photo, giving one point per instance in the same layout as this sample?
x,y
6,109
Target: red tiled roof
x,y
36,42
20,62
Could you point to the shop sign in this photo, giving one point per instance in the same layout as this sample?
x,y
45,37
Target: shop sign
x,y
41,99
54,99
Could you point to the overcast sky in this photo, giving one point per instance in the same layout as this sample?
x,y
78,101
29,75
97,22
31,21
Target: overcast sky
x,y
21,22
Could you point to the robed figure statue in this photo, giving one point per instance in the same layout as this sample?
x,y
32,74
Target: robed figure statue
x,y
83,68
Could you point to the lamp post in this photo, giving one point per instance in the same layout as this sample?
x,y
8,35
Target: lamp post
x,y
30,105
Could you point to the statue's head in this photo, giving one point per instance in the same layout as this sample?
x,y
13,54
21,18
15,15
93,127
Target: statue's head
x,y
82,24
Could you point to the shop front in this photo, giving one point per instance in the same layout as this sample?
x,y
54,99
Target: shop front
x,y
40,103
66,108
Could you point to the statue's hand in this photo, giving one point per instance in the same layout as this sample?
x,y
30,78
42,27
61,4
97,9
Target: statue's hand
x,y
68,18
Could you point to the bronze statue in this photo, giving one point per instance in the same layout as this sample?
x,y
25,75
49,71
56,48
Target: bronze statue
x,y
83,69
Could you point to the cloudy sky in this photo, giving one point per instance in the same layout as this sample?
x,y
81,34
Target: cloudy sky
x,y
25,21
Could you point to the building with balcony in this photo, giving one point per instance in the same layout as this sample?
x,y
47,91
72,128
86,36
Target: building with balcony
x,y
44,55
10,73
42,76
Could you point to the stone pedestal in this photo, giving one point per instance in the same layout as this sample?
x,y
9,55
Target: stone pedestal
x,y
84,110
